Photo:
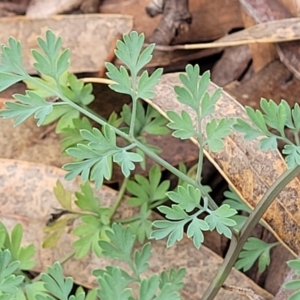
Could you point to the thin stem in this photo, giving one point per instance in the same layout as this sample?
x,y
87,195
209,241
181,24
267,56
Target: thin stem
x,y
134,106
62,261
128,220
200,159
296,135
133,117
236,245
178,173
119,198
67,257
158,203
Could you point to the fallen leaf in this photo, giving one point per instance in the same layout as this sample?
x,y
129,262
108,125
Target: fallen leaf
x,y
249,171
267,10
27,198
88,36
270,32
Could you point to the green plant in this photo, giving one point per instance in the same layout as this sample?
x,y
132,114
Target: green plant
x,y
114,282
254,249
294,284
95,150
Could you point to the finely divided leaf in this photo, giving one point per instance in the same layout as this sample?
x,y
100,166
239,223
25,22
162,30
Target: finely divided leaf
x,y
216,131
174,277
220,219
113,286
268,143
72,134
148,288
55,283
128,51
90,232
121,243
148,190
194,87
254,249
249,131
188,198
235,201
110,270
9,283
141,259
292,155
182,124
78,92
27,105
126,160
195,229
24,254
146,84
171,228
275,115
148,120
94,160
8,79
86,200
120,77
50,61
11,59
208,102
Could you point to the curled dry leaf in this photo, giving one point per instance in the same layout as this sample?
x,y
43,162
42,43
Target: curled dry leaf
x,y
27,198
249,171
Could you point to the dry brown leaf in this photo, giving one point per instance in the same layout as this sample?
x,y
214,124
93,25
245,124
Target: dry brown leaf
x,y
27,198
231,65
250,171
88,36
270,32
267,10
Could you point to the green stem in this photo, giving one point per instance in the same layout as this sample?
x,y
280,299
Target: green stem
x,y
236,245
200,141
67,257
158,203
296,135
133,117
134,105
62,261
119,198
128,220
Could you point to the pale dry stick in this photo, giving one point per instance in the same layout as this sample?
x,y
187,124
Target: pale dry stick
x,y
97,80
222,44
278,31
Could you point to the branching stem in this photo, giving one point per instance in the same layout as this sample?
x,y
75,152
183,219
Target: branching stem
x,y
200,141
130,139
119,198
